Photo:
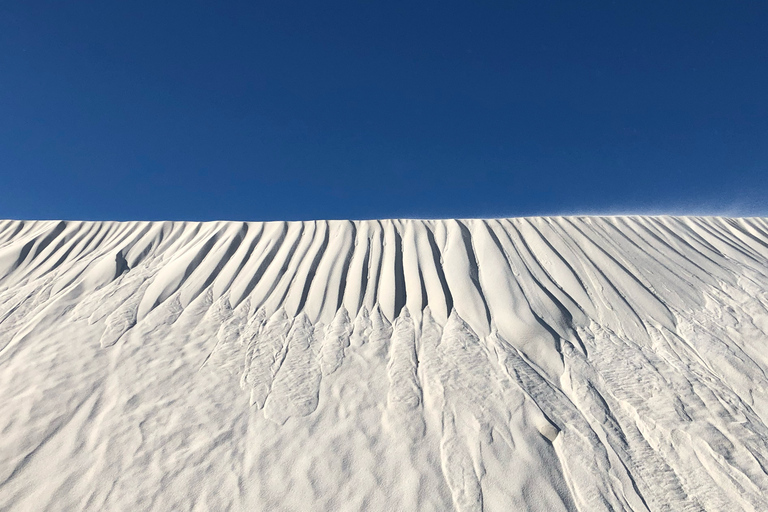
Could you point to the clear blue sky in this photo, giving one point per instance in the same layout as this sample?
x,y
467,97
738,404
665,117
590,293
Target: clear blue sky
x,y
301,110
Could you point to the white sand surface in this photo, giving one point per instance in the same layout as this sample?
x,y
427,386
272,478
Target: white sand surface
x,y
543,364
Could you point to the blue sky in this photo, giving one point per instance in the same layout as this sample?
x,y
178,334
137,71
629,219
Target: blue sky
x,y
304,110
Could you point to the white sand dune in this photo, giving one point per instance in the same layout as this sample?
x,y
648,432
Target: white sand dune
x,y
565,363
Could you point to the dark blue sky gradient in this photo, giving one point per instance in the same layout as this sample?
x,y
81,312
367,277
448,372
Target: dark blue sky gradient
x,y
303,110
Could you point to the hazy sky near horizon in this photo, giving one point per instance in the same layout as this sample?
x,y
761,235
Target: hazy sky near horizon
x,y
304,110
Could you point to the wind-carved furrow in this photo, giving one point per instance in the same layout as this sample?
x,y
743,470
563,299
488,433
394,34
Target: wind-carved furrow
x,y
238,260
510,307
44,244
671,278
609,292
390,287
183,236
118,236
693,272
400,293
312,269
462,279
198,255
357,281
116,233
558,311
14,257
345,268
262,260
276,288
552,260
697,249
329,280
173,275
71,248
758,225
22,235
551,364
172,236
474,269
755,232
96,237
687,269
10,231
721,244
730,235
59,251
374,268
640,292
143,244
744,236
417,273
211,263
124,236
437,264
619,248
545,298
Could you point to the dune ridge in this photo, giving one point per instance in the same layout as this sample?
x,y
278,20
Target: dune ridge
x,y
543,363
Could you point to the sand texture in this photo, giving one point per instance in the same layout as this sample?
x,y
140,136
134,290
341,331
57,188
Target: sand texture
x,y
541,364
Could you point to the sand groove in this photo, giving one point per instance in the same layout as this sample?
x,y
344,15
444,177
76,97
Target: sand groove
x,y
559,363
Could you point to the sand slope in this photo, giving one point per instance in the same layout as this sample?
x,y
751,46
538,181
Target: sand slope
x,y
568,363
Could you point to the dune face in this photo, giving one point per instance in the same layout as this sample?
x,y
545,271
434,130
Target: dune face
x,y
582,363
